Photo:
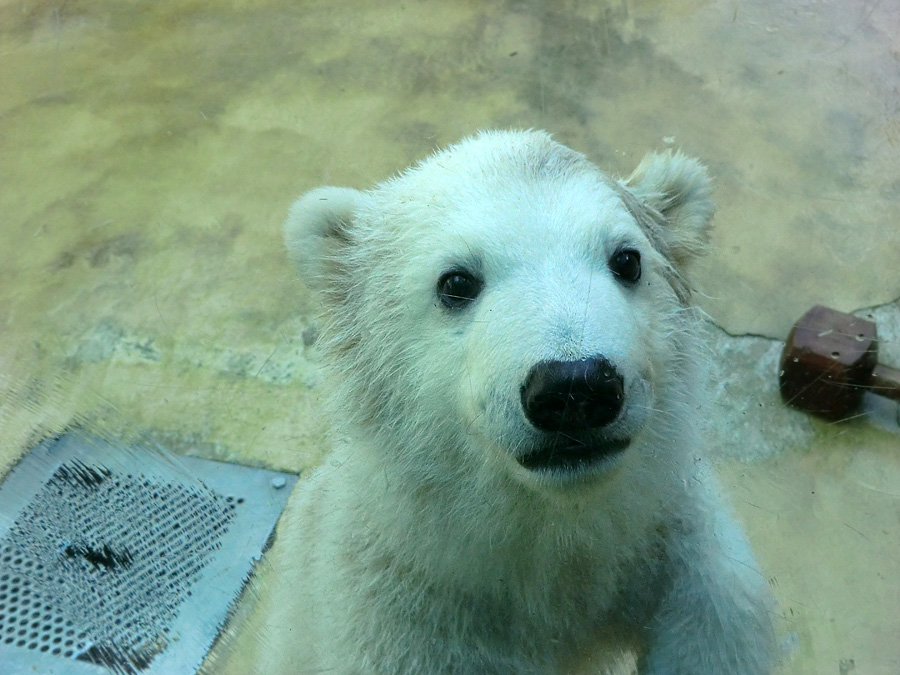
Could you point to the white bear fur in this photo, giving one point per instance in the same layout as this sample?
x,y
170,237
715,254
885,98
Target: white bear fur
x,y
421,547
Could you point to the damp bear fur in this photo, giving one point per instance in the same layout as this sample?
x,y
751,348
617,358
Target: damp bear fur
x,y
516,478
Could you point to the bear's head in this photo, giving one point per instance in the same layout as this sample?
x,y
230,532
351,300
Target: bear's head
x,y
505,303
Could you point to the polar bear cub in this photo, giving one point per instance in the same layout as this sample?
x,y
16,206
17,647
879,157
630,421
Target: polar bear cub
x,y
516,477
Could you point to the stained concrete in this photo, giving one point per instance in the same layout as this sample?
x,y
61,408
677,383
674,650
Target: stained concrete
x,y
149,151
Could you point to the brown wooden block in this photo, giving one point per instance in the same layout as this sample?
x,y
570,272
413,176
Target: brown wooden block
x,y
829,360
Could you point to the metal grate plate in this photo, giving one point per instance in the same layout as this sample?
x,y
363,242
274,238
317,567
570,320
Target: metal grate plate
x,y
125,560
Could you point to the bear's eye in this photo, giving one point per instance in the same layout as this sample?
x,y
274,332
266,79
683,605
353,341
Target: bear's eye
x,y
626,264
457,288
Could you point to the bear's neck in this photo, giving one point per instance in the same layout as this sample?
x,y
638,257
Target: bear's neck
x,y
495,528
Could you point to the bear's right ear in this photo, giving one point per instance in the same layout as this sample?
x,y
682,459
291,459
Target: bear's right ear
x,y
317,227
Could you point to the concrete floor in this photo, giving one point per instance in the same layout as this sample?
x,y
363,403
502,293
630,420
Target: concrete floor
x,y
149,151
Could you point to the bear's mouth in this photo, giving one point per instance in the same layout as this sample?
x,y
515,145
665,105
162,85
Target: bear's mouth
x,y
572,457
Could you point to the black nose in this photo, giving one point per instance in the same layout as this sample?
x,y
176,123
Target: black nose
x,y
569,395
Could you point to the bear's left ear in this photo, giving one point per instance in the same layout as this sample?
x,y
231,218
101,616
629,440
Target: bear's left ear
x,y
678,192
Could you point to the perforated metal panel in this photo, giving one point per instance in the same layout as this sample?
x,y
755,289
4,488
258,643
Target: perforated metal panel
x,y
120,560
